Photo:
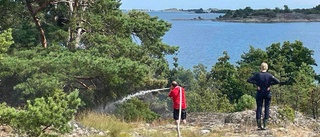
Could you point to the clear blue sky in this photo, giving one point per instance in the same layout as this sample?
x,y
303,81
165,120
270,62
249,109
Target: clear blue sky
x,y
220,4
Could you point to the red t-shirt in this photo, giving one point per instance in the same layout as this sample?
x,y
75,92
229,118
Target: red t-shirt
x,y
175,95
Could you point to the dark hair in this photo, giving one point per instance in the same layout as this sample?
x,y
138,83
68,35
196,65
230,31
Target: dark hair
x,y
174,83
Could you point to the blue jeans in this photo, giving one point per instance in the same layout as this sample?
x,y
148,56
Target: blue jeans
x,y
263,96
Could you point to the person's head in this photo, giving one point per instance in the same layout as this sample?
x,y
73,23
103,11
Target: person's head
x,y
174,83
263,67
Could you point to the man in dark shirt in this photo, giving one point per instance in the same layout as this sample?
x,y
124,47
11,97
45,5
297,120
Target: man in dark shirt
x,y
263,80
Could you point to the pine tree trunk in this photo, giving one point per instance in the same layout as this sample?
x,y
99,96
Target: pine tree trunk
x,y
38,24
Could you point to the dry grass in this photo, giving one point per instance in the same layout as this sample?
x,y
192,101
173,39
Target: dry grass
x,y
118,128
108,123
292,132
169,132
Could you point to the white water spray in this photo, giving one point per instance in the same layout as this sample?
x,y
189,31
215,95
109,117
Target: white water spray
x,y
111,106
138,94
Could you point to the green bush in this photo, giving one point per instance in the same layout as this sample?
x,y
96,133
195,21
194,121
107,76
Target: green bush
x,y
54,112
208,101
5,40
224,104
202,101
287,113
7,114
134,110
245,102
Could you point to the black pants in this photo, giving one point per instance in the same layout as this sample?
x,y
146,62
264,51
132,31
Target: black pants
x,y
176,114
263,96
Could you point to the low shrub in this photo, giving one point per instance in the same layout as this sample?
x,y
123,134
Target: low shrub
x,y
245,102
135,110
287,113
54,112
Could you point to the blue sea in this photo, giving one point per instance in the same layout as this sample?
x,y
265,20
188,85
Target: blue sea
x,y
203,41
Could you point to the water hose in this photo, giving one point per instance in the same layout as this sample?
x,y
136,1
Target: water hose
x,y
179,120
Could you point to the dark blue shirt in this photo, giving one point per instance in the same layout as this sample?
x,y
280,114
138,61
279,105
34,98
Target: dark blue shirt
x,y
263,80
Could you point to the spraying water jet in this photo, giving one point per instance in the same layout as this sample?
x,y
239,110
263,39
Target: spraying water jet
x,y
110,107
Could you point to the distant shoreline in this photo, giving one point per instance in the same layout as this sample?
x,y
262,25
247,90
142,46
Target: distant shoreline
x,y
249,21
279,18
267,21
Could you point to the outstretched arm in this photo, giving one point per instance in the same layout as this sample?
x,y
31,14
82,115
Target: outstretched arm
x,y
274,80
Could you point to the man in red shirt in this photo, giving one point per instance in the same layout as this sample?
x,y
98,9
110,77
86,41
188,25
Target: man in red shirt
x,y
174,94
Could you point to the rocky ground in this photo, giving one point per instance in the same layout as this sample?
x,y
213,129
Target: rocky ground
x,y
239,124
243,124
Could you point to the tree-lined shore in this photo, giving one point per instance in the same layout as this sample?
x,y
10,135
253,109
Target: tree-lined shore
x,y
248,14
272,15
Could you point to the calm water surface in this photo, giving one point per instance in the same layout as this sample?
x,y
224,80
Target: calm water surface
x,y
204,41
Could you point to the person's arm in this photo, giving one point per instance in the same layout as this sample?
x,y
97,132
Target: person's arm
x,y
170,92
274,80
252,80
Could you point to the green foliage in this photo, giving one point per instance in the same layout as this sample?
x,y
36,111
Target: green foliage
x,y
201,77
314,101
57,68
270,13
6,41
40,85
224,77
304,79
25,35
54,112
120,53
7,114
249,64
204,96
283,59
287,113
207,101
254,57
291,63
224,104
245,102
296,54
116,53
183,77
134,110
286,9
12,12
226,80
249,12
243,73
